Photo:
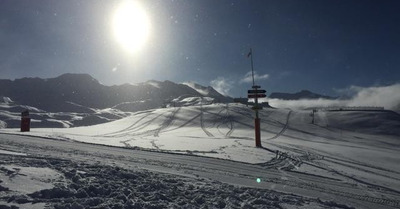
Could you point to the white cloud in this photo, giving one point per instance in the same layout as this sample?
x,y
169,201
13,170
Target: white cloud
x,y
383,96
349,92
222,85
248,78
306,103
386,96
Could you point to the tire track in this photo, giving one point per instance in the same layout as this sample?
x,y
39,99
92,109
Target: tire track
x,y
209,134
167,122
226,120
139,127
186,123
284,127
328,156
331,170
231,123
127,128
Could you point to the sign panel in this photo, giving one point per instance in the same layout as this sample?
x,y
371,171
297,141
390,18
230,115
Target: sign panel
x,y
256,96
259,91
256,87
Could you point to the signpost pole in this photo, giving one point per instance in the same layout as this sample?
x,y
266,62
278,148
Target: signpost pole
x,y
257,119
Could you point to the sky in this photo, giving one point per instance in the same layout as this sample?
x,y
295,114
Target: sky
x,y
322,46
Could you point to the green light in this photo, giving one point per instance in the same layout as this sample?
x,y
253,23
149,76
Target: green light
x,y
258,180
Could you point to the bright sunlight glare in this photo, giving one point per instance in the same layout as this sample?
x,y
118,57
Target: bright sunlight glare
x,y
131,25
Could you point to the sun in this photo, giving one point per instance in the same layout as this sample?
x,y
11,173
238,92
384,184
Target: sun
x,y
131,25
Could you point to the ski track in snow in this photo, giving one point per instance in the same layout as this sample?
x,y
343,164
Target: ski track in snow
x,y
284,127
202,124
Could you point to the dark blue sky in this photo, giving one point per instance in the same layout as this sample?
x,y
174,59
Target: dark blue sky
x,y
315,45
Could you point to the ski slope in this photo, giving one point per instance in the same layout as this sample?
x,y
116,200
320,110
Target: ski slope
x,y
358,149
223,131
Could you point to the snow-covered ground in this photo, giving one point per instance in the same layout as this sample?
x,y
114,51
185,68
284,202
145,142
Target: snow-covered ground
x,y
219,130
10,116
358,150
60,183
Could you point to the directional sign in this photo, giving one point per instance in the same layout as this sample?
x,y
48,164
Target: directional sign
x,y
256,108
256,87
259,91
256,96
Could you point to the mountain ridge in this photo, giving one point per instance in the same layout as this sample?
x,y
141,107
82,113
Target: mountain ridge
x,y
303,94
56,94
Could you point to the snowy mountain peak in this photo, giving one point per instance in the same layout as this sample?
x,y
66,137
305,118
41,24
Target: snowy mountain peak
x,y
199,88
7,100
207,91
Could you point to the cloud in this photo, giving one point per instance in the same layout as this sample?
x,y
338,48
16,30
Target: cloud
x,y
383,96
386,96
349,92
305,103
222,85
248,78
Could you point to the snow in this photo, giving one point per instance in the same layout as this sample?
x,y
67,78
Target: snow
x,y
154,84
27,180
224,131
196,87
357,149
21,181
7,100
206,130
84,184
10,114
6,152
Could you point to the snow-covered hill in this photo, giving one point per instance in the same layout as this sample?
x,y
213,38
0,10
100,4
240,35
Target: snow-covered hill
x,y
10,116
226,131
357,149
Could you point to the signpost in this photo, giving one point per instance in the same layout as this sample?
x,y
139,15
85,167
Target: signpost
x,y
255,93
260,91
256,96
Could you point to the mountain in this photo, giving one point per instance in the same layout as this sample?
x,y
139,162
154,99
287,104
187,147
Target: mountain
x,y
208,92
304,94
80,92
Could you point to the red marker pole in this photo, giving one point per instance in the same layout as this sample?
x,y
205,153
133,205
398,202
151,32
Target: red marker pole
x,y
256,107
258,133
257,122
